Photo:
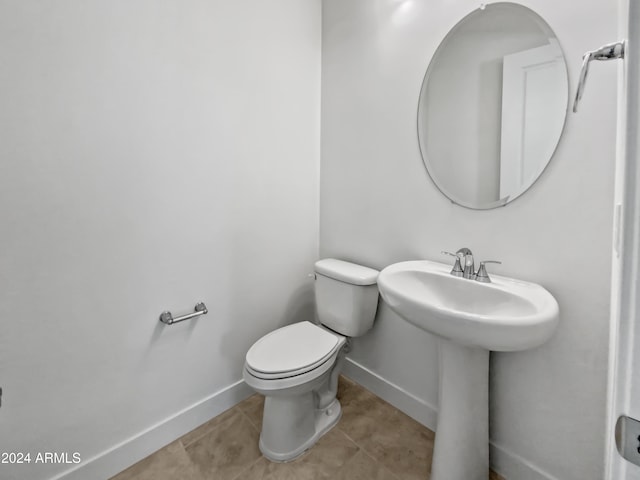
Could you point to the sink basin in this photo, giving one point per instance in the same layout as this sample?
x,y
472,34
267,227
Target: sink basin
x,y
505,315
470,318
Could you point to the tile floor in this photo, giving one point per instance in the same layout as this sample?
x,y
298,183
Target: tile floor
x,y
372,441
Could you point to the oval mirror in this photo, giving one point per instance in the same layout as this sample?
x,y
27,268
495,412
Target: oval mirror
x,y
492,106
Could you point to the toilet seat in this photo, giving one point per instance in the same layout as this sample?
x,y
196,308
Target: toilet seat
x,y
292,350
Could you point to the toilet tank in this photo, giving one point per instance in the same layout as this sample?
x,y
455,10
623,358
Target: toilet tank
x,y
346,296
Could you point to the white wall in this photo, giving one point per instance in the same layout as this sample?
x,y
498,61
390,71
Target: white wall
x,y
378,206
152,154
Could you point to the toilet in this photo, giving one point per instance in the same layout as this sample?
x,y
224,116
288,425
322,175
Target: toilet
x,y
296,367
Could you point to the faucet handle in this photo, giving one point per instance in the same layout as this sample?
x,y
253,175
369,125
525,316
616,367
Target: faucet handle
x,y
482,275
457,268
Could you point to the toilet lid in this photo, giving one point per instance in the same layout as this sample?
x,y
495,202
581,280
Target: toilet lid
x,y
300,346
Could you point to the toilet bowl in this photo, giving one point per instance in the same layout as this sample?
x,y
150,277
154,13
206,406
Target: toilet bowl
x,y
294,415
296,367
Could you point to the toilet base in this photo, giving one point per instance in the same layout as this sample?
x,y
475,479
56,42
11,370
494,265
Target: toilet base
x,y
300,434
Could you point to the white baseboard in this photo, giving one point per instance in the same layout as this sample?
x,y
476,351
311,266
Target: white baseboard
x,y
513,467
123,455
503,461
404,401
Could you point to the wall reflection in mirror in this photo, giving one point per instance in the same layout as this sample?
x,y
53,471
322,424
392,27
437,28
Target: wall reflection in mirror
x,y
492,106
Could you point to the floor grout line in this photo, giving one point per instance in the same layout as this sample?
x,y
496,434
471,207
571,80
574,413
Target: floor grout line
x,y
382,466
213,429
248,418
347,435
194,467
248,467
367,452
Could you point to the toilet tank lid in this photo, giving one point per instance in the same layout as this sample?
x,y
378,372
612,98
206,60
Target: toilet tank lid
x,y
346,271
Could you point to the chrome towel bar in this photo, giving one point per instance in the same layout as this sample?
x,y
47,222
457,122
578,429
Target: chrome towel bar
x,y
611,51
200,309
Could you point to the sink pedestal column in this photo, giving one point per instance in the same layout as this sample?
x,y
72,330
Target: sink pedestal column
x,y
461,450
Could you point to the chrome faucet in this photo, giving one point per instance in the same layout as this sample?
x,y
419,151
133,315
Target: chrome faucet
x,y
464,256
469,265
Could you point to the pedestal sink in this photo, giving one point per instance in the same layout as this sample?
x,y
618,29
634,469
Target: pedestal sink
x,y
470,318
